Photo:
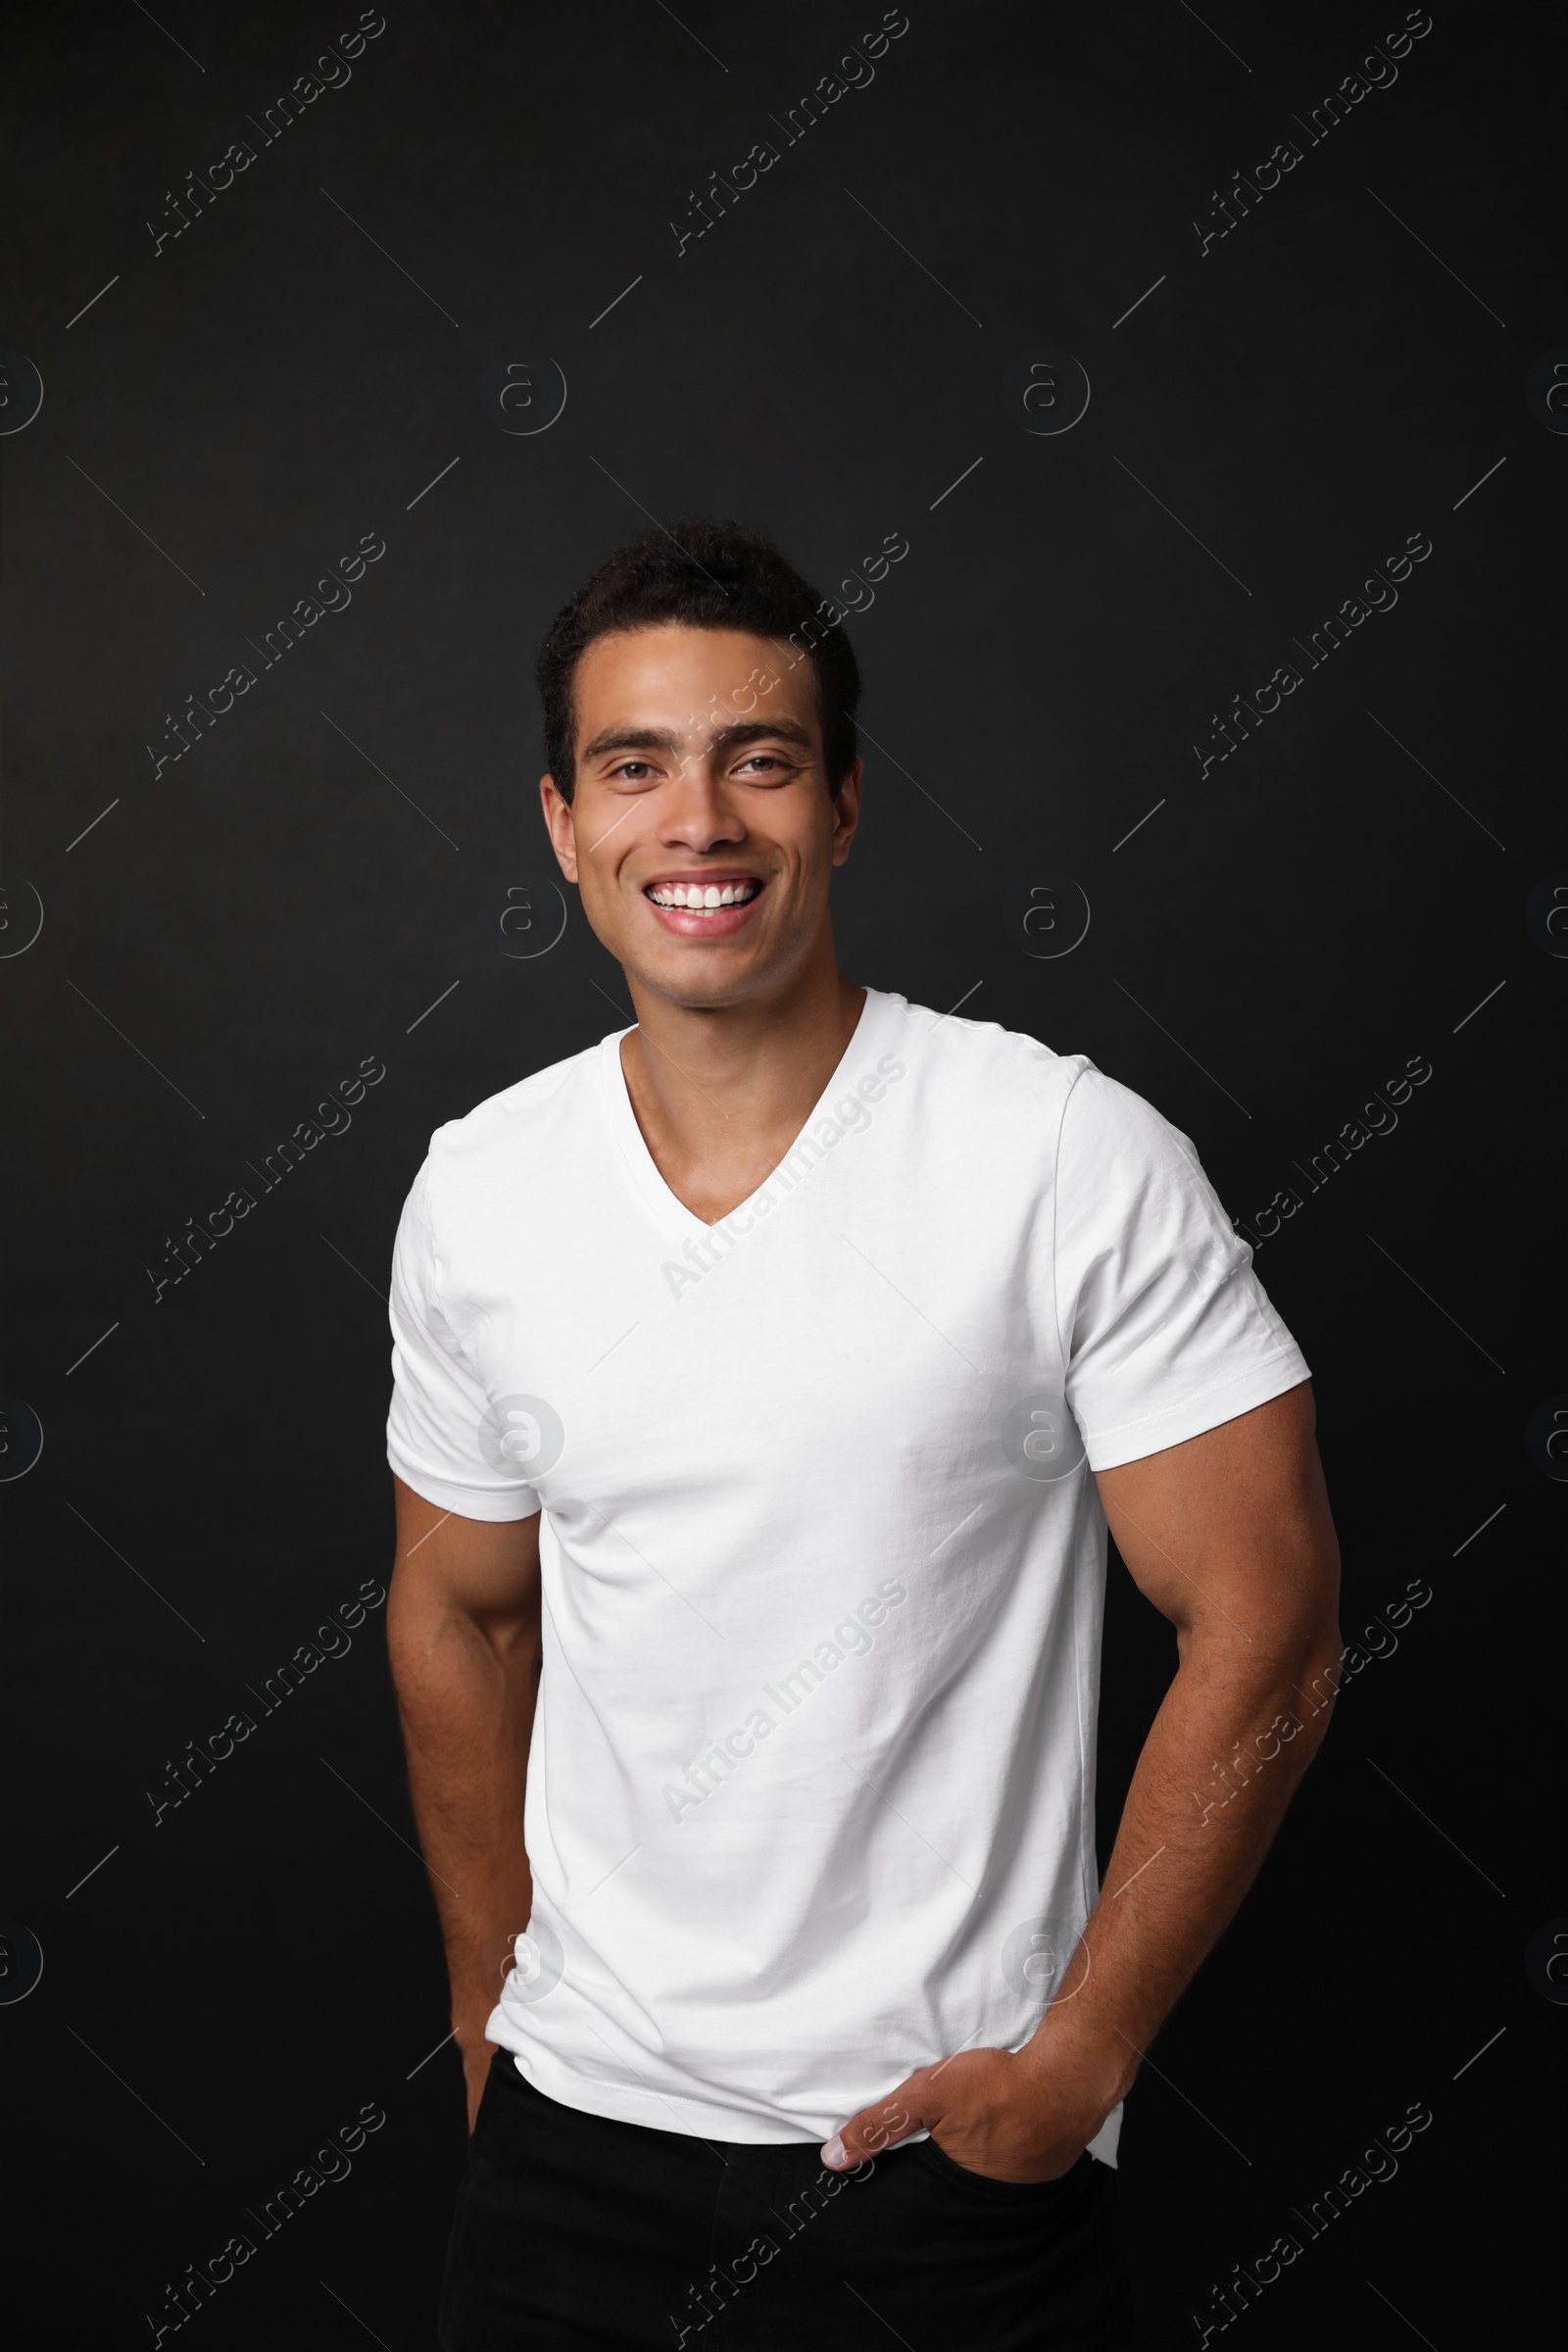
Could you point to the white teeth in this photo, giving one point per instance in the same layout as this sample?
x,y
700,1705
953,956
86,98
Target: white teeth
x,y
701,898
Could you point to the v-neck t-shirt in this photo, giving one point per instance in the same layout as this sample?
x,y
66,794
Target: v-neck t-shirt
x,y
810,1794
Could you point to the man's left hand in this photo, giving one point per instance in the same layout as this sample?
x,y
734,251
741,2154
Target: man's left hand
x,y
995,2112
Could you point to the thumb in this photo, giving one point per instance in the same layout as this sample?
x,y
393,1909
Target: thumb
x,y
881,2124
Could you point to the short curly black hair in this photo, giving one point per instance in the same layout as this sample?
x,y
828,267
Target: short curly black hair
x,y
706,573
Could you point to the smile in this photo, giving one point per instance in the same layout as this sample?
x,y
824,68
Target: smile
x,y
702,898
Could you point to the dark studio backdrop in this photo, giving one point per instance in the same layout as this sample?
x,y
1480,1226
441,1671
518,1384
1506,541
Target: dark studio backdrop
x,y
1248,659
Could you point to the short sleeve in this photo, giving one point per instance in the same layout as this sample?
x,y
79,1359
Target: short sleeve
x,y
439,1406
1164,1327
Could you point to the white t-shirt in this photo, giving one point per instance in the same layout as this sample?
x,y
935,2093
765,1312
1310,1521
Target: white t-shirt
x,y
810,1797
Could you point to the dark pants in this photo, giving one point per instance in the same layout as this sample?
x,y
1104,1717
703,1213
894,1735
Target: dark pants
x,y
573,2231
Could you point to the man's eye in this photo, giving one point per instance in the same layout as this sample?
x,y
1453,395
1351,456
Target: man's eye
x,y
760,759
634,770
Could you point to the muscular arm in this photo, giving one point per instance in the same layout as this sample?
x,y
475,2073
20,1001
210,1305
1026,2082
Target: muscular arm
x,y
463,1630
1230,1536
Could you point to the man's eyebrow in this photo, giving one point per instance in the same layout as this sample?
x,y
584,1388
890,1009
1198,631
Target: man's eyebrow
x,y
723,739
631,739
762,730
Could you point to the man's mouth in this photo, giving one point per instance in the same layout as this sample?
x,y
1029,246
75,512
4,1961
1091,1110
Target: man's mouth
x,y
704,898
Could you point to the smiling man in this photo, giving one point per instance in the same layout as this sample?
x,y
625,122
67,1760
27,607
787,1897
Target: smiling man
x,y
764,1380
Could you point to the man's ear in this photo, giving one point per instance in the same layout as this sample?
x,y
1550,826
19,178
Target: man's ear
x,y
561,825
846,812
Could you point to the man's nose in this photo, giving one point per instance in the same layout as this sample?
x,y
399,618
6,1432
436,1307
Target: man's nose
x,y
695,813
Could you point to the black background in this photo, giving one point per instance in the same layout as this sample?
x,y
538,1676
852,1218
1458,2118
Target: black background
x,y
246,924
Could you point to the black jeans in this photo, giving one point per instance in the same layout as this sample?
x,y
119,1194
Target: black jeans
x,y
572,2231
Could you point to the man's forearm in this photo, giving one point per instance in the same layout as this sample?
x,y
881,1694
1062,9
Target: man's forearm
x,y
1221,1762
466,1700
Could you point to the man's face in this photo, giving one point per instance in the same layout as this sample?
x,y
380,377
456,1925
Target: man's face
x,y
702,833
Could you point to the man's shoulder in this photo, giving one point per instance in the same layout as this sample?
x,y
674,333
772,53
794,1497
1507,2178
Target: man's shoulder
x,y
1101,1117
536,1116
962,1051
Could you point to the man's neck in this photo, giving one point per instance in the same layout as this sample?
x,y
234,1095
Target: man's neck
x,y
720,1093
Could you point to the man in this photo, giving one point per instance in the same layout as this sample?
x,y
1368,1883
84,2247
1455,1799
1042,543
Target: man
x,y
766,1377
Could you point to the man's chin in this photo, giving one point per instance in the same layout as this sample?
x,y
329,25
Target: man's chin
x,y
697,977
700,983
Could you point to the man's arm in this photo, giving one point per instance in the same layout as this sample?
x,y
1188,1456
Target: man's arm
x,y
463,1630
1230,1536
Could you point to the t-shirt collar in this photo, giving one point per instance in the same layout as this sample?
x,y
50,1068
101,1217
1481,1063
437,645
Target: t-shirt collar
x,y
665,1207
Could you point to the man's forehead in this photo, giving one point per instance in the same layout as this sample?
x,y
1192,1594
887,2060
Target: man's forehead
x,y
693,671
